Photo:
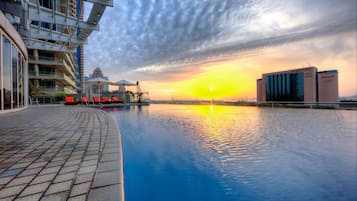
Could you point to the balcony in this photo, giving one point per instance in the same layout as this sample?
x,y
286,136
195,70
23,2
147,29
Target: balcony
x,y
50,90
69,81
43,75
42,60
70,90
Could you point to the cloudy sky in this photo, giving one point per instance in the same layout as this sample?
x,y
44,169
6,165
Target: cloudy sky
x,y
181,48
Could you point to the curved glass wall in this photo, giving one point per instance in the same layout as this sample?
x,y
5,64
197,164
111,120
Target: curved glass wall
x,y
11,75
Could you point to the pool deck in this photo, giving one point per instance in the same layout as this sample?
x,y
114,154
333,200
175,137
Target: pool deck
x,y
60,153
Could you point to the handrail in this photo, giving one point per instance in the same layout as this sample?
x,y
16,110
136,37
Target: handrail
x,y
44,58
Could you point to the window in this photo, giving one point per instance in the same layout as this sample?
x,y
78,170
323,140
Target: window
x,y
11,75
6,73
20,79
14,78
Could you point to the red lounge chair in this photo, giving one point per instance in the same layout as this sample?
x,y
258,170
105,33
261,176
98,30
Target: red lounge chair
x,y
84,100
116,100
96,100
105,99
69,100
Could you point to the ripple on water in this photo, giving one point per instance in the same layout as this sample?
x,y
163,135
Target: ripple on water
x,y
240,153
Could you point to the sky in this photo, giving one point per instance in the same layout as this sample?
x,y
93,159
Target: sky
x,y
180,49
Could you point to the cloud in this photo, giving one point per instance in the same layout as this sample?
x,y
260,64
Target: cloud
x,y
171,38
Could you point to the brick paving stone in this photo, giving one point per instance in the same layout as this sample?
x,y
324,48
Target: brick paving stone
x,y
62,196
36,165
105,193
34,197
59,187
11,172
44,178
110,157
64,177
37,188
78,198
72,162
21,165
106,178
21,180
87,169
69,169
90,157
50,170
30,172
80,189
84,178
30,159
7,199
108,166
5,180
55,163
89,163
7,192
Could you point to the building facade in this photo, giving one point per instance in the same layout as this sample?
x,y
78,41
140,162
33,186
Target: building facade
x,y
52,31
13,67
328,86
298,85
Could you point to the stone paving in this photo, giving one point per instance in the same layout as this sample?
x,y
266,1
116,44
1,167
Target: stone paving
x,y
60,153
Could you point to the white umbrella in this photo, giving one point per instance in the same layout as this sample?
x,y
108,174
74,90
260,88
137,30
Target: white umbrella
x,y
99,81
125,83
122,84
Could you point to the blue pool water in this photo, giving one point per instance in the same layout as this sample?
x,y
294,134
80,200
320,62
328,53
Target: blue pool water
x,y
184,153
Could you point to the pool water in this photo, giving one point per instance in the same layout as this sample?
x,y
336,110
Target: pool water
x,y
227,153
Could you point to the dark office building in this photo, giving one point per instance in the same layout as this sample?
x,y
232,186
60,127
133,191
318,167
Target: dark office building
x,y
299,85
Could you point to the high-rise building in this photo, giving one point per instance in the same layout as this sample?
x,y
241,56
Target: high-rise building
x,y
298,85
52,30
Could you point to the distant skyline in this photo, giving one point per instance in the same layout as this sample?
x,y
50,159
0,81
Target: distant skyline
x,y
194,49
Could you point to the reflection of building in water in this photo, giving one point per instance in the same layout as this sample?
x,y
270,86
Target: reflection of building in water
x,y
298,85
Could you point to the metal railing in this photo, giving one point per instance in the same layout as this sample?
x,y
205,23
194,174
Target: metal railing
x,y
46,75
44,58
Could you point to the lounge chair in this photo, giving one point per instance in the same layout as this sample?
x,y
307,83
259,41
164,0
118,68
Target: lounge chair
x,y
116,100
105,100
96,100
69,100
84,100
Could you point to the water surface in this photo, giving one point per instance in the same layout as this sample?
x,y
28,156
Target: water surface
x,y
181,152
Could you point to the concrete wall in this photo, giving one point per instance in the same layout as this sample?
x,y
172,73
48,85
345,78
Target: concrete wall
x,y
328,86
310,84
260,90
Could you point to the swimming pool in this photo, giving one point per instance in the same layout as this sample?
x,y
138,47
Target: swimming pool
x,y
182,152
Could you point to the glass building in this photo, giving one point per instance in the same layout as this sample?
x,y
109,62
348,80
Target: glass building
x,y
13,62
298,85
285,87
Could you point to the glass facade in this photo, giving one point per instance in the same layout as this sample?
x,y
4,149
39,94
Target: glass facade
x,y
285,87
11,75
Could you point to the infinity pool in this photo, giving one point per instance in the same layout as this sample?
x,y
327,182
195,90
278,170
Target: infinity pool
x,y
225,153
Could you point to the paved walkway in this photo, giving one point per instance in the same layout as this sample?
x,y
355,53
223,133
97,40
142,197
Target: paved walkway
x,y
60,153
